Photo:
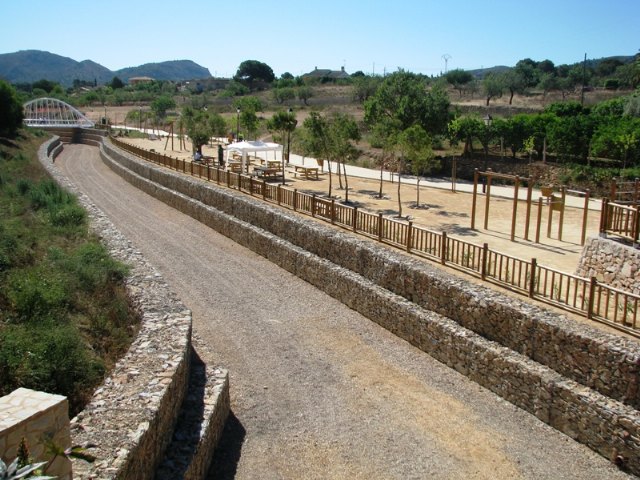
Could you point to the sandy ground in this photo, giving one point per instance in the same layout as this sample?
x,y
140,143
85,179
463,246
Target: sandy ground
x,y
443,210
317,390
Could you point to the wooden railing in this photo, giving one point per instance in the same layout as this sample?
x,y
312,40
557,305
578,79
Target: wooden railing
x,y
586,297
621,220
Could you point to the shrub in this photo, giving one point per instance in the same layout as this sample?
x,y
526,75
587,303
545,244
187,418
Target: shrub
x,y
68,216
36,293
48,357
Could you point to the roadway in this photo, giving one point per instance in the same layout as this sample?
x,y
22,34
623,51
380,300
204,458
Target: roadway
x,y
317,390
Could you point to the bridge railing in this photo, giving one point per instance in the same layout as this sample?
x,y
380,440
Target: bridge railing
x,y
585,297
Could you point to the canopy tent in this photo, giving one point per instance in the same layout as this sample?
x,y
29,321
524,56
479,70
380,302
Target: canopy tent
x,y
246,147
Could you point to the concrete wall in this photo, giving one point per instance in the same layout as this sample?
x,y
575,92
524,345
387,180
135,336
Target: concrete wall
x,y
35,416
611,262
578,379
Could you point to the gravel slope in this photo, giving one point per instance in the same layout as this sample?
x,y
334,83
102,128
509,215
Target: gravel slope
x,y
317,390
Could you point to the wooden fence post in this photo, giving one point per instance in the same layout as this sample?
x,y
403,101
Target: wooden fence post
x,y
295,199
380,227
585,215
532,278
264,189
354,219
333,211
473,200
313,205
592,297
443,248
485,254
409,238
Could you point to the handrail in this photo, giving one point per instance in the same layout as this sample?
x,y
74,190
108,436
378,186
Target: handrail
x,y
586,297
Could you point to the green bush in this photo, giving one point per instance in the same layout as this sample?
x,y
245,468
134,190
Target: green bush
x,y
92,267
36,293
68,216
48,357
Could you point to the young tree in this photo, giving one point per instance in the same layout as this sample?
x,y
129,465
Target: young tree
x,y
198,127
342,131
285,124
315,140
249,107
420,156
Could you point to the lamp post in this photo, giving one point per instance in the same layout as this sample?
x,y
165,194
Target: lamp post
x,y
487,123
237,123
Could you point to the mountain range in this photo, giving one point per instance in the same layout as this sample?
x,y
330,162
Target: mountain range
x,y
28,66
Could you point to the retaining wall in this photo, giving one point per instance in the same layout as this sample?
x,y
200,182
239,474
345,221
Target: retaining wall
x,y
132,416
578,379
611,262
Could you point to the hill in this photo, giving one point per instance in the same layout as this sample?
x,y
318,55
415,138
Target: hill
x,y
28,66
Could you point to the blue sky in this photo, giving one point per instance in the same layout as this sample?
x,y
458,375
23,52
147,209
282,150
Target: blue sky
x,y
297,35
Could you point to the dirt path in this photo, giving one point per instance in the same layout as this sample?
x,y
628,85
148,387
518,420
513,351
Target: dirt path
x,y
318,391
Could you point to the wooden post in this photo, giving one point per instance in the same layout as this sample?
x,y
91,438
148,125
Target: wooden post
x,y
264,190
279,194
380,227
514,211
549,220
313,205
527,220
295,199
592,297
333,211
487,199
473,201
354,219
585,214
443,248
483,262
539,220
409,236
532,278
603,215
563,191
454,173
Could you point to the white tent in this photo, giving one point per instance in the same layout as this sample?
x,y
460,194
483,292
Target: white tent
x,y
246,147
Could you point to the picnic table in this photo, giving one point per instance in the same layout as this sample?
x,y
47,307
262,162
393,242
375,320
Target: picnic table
x,y
235,167
266,172
306,171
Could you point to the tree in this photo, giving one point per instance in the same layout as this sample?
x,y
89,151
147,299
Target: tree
x,y
315,140
493,86
161,105
304,93
249,107
116,83
342,131
420,155
254,74
364,87
11,114
283,94
514,82
459,79
198,127
285,124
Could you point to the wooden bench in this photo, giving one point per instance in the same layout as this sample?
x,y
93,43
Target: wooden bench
x,y
306,171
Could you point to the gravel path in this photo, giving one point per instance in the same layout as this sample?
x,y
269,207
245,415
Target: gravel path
x,y
317,390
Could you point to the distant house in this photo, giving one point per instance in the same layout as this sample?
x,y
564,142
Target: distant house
x,y
326,74
137,80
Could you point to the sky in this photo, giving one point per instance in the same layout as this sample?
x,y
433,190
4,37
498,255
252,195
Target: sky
x,y
295,36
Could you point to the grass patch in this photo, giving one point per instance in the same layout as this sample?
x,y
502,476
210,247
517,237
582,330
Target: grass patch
x,y
64,315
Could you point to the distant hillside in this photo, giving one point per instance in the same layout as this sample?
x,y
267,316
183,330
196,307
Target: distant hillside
x,y
28,66
172,70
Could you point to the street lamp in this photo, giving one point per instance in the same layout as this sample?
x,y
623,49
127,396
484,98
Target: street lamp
x,y
237,123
